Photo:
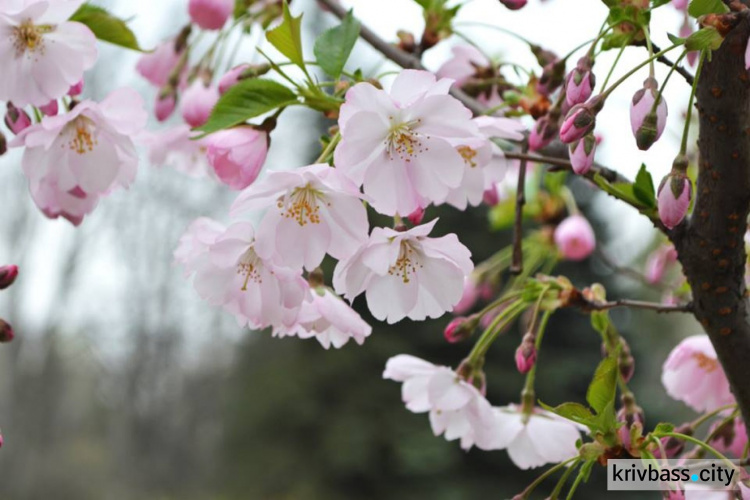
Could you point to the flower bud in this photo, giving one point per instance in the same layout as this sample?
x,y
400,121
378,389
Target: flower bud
x,y
544,131
231,78
8,275
646,120
674,446
580,120
416,216
582,154
633,419
526,354
580,82
164,105
553,76
210,14
514,4
237,155
76,90
50,109
16,119
575,238
658,262
674,195
459,329
6,332
197,103
491,196
626,362
680,4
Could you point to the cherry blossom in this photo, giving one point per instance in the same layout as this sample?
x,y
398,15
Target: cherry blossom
x,y
72,159
397,145
178,148
157,66
575,238
210,14
326,317
229,273
692,374
197,102
406,274
47,54
456,408
312,211
237,155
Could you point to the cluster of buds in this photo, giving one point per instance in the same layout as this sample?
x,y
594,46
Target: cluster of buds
x,y
675,193
8,275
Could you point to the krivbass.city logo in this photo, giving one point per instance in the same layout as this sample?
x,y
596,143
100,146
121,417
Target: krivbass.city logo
x,y
672,475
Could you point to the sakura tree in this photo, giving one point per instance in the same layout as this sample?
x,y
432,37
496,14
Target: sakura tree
x,y
474,131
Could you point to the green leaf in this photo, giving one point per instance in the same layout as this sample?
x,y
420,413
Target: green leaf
x,y
105,26
655,4
600,321
247,99
699,8
643,189
663,428
676,39
333,47
572,411
287,37
706,38
602,390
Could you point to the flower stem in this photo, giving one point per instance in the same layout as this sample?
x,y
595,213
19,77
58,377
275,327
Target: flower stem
x,y
698,442
683,145
650,51
492,331
330,147
630,73
614,65
539,480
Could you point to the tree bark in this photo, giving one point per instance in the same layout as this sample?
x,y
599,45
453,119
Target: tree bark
x,y
711,244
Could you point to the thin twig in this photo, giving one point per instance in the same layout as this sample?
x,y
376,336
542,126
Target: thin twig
x,y
639,304
517,266
403,59
679,69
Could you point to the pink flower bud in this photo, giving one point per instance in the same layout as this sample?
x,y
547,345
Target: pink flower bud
x,y
580,120
50,109
6,332
582,154
164,106
16,119
231,77
491,196
673,199
8,275
468,298
730,438
514,4
459,329
526,354
237,155
157,66
76,90
210,14
580,83
543,132
416,216
658,262
629,418
575,238
680,4
553,76
647,122
197,103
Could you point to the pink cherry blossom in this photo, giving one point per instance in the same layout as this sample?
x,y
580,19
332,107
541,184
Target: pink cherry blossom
x,y
464,64
531,440
229,273
406,274
197,103
195,243
312,211
326,317
398,144
575,238
237,155
177,148
457,409
231,77
692,374
658,262
210,14
43,53
157,66
73,159
673,199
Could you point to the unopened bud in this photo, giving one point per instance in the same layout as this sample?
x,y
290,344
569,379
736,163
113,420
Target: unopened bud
x,y
416,216
51,108
648,119
580,82
514,4
553,76
526,354
674,194
460,329
16,119
580,120
8,275
406,41
582,154
6,332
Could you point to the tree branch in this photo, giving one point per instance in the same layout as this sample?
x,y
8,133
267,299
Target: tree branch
x,y
517,264
710,245
639,304
679,69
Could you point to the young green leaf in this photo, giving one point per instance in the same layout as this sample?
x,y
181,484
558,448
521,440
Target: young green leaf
x,y
603,387
333,47
572,411
663,428
699,8
706,38
600,321
247,99
287,37
105,26
643,189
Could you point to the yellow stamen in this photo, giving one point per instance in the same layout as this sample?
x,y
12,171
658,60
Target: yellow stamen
x,y
302,205
406,264
403,142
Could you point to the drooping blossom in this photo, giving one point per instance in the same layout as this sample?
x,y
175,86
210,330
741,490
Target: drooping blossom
x,y
197,102
231,77
647,120
693,375
732,439
210,14
326,317
531,440
157,66
658,262
575,238
43,54
397,145
237,155
406,274
177,148
73,159
457,409
229,273
312,211
673,198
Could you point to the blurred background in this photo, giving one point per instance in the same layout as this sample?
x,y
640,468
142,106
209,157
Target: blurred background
x,y
122,384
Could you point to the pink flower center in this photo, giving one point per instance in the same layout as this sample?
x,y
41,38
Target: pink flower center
x,y
28,37
302,205
249,266
403,142
407,264
82,136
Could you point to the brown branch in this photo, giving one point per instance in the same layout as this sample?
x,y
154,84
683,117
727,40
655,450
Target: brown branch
x,y
403,59
517,266
639,304
678,69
